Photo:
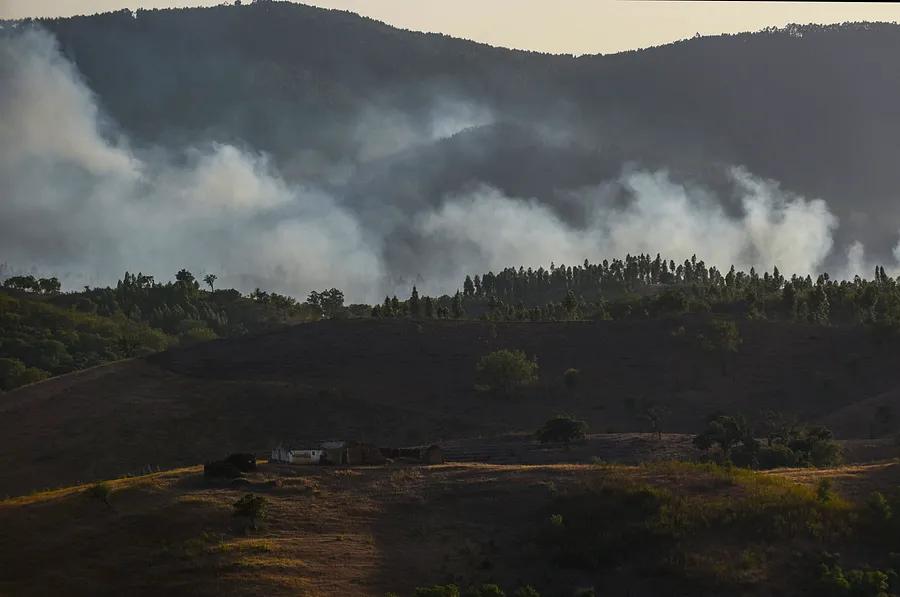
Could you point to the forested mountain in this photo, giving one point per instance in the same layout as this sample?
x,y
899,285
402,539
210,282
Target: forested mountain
x,y
393,155
811,107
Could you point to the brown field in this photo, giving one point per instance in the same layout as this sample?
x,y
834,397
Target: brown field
x,y
340,531
405,382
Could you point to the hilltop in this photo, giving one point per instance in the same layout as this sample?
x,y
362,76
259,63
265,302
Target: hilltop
x,y
345,102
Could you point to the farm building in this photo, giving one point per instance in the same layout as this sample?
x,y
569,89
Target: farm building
x,y
296,456
356,453
432,454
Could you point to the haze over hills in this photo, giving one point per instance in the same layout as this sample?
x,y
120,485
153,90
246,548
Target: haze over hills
x,y
327,138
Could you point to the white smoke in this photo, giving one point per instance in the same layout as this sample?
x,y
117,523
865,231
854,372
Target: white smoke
x,y
75,200
495,231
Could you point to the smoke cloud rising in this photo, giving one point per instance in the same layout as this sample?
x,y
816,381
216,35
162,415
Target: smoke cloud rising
x,y
80,202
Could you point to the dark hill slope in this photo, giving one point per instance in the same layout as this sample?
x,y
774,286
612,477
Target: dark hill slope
x,y
402,382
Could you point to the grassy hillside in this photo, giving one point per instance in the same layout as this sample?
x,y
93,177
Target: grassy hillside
x,y
403,382
45,332
648,530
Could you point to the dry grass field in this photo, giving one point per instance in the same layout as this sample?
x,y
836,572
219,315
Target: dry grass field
x,y
370,530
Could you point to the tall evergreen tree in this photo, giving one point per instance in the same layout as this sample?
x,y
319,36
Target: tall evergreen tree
x,y
456,306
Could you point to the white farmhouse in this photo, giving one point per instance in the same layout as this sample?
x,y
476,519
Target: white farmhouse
x,y
295,456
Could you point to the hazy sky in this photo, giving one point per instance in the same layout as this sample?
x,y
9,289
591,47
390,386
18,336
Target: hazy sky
x,y
569,26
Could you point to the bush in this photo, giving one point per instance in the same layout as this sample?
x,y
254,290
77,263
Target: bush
x,y
526,591
563,429
505,371
570,377
486,590
437,591
834,582
252,507
14,373
220,469
776,456
243,462
100,492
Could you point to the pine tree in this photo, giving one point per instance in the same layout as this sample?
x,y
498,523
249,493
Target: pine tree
x,y
456,306
414,303
570,304
822,314
468,287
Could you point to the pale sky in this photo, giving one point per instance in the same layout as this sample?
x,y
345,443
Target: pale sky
x,y
561,26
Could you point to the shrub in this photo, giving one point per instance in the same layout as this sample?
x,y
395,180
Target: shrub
x,y
437,591
220,469
252,507
505,371
526,591
878,509
834,582
486,590
243,462
824,491
571,377
14,373
562,429
100,492
776,455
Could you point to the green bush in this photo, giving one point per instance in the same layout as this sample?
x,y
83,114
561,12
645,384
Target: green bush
x,y
562,429
776,455
503,372
252,507
486,590
14,373
834,582
437,591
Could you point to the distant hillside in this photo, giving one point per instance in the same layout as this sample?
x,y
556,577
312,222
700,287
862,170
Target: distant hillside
x,y
402,382
812,107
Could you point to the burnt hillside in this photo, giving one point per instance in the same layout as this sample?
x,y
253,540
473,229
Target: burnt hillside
x,y
407,382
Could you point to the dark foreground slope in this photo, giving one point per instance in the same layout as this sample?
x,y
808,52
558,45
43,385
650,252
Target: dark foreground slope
x,y
667,529
405,382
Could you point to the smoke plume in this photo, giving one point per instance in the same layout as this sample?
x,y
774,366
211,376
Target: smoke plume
x,y
80,201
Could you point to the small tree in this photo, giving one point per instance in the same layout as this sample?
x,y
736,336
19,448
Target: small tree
x,y
101,493
414,303
456,306
210,280
562,429
570,304
505,371
252,507
330,303
724,431
571,377
654,415
884,418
